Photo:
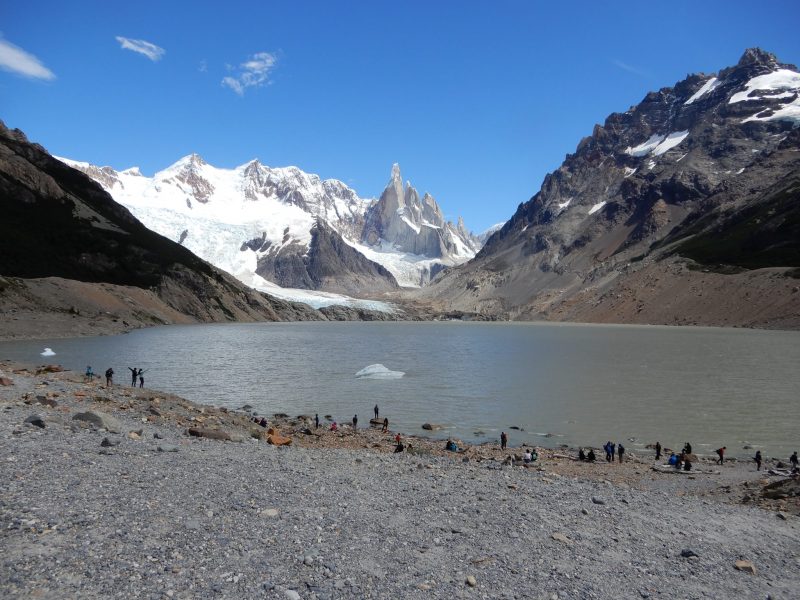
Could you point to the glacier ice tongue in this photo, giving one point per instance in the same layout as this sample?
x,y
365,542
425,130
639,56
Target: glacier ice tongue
x,y
378,371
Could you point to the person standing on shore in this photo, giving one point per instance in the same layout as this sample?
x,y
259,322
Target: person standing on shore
x,y
620,451
89,373
109,377
613,449
355,422
658,450
397,437
503,440
376,411
316,420
721,454
385,427
607,448
757,458
793,460
141,378
687,449
134,373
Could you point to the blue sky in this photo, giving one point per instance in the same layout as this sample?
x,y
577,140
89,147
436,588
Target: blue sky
x,y
477,101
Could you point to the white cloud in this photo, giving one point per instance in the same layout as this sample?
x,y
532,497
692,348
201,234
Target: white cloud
x,y
150,50
16,60
631,69
251,73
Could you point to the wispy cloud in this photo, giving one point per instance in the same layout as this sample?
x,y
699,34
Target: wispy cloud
x,y
631,69
149,49
251,73
16,60
203,66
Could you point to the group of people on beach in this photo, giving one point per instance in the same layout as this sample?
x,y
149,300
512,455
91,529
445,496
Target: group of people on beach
x,y
136,374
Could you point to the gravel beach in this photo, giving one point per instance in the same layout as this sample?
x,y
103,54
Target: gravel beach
x,y
147,511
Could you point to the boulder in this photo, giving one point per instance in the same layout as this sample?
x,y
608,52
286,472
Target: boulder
x,y
276,439
6,381
100,419
746,566
45,401
36,421
108,443
431,427
212,434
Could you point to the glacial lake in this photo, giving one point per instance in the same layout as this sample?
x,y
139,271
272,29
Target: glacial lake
x,y
559,383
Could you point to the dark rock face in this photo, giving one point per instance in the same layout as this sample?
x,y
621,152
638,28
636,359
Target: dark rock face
x,y
706,170
328,263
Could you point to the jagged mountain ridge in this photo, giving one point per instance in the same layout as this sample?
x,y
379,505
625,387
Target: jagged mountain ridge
x,y
652,187
67,248
259,222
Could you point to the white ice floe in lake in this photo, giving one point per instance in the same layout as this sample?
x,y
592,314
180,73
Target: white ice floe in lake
x,y
48,352
378,371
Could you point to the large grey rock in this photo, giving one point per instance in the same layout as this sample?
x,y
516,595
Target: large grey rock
x,y
100,420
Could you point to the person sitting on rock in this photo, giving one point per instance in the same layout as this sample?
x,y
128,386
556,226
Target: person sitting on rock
x,y
527,457
398,448
334,426
591,456
385,427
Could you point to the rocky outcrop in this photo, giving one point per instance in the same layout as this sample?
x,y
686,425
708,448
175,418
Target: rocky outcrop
x,y
702,174
327,263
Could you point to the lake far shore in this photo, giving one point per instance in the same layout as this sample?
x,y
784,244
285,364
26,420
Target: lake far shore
x,y
152,510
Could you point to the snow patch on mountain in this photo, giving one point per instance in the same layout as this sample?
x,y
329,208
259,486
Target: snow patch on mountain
x,y
708,87
657,145
781,79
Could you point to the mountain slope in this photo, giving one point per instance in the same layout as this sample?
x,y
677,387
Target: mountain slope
x,y
698,177
62,236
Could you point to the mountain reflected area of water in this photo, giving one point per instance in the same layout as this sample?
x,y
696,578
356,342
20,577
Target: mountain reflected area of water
x,y
558,384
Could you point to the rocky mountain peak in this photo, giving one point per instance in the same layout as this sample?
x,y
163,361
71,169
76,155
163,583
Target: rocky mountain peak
x,y
757,56
396,173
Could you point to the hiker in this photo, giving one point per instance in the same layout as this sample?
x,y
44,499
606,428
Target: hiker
x,y
503,440
687,464
591,457
141,378
721,454
658,450
398,448
385,427
527,457
581,454
134,373
620,452
397,437
89,373
613,449
355,422
334,426
687,448
608,450
793,460
376,411
316,420
757,458
109,377
673,458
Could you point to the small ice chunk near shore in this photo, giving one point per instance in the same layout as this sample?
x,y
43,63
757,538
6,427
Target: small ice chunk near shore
x,y
378,371
48,352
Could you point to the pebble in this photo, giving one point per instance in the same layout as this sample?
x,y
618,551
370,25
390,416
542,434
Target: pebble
x,y
596,500
471,581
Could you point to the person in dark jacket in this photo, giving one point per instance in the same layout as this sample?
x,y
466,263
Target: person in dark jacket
x,y
109,377
503,440
757,458
620,452
658,450
355,422
721,454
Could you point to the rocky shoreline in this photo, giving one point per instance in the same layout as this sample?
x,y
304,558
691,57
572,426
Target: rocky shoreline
x,y
148,510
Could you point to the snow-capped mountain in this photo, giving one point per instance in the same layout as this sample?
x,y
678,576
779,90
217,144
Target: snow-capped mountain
x,y
658,215
290,227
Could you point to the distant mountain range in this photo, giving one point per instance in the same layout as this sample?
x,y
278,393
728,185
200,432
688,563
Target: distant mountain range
x,y
683,209
284,226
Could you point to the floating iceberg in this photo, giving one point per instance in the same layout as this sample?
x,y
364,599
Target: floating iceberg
x,y
48,352
378,372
